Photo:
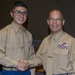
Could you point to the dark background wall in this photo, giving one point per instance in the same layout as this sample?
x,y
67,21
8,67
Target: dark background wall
x,y
38,13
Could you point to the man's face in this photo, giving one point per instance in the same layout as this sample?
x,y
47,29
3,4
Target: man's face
x,y
19,15
55,21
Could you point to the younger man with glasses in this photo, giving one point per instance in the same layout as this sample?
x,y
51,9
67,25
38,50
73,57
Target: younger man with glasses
x,y
16,43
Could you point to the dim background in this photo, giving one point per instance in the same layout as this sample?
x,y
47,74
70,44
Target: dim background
x,y
38,11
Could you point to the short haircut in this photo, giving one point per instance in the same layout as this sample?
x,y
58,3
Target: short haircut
x,y
19,3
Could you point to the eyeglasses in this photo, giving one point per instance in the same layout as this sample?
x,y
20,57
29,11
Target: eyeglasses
x,y
57,19
17,12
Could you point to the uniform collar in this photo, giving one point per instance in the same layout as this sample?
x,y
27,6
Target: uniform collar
x,y
57,36
16,28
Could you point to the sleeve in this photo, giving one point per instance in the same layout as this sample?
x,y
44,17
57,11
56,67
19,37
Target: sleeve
x,y
73,55
5,60
31,52
38,57
31,48
71,65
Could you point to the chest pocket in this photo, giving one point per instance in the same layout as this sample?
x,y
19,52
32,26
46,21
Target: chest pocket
x,y
10,49
12,46
61,52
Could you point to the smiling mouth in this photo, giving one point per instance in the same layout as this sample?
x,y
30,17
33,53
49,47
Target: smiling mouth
x,y
55,26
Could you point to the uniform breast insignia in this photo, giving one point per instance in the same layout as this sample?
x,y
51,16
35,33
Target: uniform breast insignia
x,y
63,45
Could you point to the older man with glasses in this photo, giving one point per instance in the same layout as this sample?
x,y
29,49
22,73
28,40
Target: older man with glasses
x,y
57,51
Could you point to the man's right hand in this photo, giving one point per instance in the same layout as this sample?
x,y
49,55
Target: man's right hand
x,y
22,65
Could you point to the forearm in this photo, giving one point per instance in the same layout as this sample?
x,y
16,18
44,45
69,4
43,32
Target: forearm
x,y
34,62
7,61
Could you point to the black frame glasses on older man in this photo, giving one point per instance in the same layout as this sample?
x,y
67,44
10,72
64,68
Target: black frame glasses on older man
x,y
57,19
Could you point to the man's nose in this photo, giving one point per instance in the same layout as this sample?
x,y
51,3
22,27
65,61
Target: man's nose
x,y
55,21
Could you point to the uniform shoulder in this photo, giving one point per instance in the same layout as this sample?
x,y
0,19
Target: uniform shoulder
x,y
27,32
46,38
69,36
5,29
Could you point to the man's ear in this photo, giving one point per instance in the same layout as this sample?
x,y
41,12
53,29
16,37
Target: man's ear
x,y
63,22
11,14
47,21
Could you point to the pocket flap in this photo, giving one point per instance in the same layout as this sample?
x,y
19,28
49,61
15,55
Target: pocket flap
x,y
61,52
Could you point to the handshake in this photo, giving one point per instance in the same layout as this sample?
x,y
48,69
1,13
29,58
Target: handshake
x,y
22,65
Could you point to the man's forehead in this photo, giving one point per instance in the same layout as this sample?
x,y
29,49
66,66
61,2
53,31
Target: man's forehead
x,y
20,8
55,13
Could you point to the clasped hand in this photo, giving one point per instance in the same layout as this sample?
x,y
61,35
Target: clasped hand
x,y
22,65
